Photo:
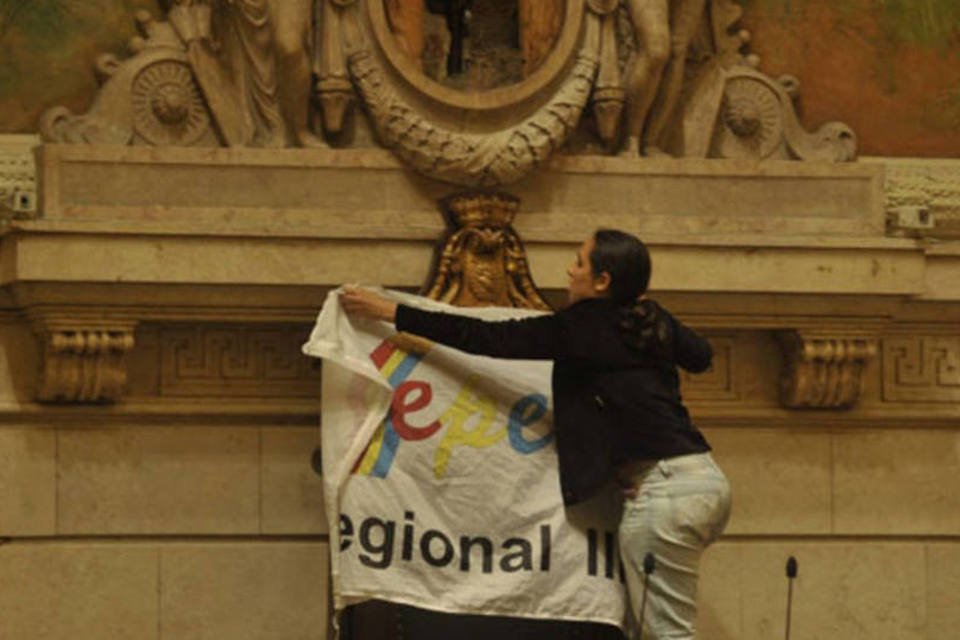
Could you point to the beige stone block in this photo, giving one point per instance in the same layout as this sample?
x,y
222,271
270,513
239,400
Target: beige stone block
x,y
850,591
943,590
897,482
292,491
780,479
27,481
74,591
19,363
719,593
161,480
255,591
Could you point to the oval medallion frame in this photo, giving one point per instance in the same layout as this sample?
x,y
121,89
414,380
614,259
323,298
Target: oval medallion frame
x,y
550,71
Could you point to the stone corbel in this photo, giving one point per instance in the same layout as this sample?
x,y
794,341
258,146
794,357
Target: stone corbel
x,y
823,370
83,360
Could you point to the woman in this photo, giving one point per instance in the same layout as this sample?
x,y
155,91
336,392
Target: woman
x,y
617,412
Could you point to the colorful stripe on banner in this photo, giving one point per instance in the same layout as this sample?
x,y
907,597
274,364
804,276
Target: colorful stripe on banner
x,y
395,364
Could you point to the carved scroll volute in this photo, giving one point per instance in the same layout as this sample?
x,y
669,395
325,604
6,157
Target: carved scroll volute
x,y
83,362
823,371
609,95
483,262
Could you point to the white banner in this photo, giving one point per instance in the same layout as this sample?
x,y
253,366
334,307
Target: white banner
x,y
441,470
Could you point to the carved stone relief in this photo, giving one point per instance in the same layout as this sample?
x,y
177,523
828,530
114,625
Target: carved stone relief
x,y
239,73
18,183
923,197
719,383
247,361
921,369
823,371
84,361
483,262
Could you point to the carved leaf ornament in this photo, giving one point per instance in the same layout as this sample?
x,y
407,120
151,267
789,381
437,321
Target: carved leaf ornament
x,y
464,157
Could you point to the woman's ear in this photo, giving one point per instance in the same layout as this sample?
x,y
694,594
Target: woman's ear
x,y
601,284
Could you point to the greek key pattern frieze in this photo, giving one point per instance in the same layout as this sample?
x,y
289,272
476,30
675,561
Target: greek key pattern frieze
x,y
921,369
236,362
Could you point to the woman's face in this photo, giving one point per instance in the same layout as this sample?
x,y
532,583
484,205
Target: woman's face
x,y
582,283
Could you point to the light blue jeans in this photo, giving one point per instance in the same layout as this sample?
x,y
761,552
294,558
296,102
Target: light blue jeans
x,y
673,508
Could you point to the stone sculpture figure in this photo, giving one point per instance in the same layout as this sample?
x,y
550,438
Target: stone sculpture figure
x,y
252,59
685,18
239,73
664,30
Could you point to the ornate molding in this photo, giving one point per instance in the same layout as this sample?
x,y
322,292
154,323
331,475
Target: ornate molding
x,y
922,196
823,370
920,369
18,184
232,361
473,159
719,383
84,360
483,262
210,74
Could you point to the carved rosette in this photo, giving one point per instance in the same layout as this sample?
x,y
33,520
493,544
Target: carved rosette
x,y
483,262
83,362
822,371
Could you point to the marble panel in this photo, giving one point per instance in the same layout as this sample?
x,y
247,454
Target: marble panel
x,y
292,491
244,591
719,594
900,481
19,363
780,479
27,481
159,480
943,590
849,590
53,591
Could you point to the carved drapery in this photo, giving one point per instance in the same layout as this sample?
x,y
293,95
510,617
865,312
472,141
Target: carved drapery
x,y
823,371
83,360
483,262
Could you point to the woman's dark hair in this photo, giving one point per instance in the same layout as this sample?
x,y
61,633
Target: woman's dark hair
x,y
627,260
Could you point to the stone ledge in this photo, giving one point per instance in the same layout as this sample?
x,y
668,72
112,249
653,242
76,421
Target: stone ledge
x,y
294,188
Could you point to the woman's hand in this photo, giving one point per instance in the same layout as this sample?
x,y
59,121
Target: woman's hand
x,y
366,304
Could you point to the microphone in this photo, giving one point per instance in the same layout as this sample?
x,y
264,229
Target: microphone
x,y
792,569
649,565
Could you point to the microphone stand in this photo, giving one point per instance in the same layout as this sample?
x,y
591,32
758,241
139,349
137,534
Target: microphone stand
x,y
649,565
791,574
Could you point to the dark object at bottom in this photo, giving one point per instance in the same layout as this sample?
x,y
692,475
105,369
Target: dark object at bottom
x,y
378,620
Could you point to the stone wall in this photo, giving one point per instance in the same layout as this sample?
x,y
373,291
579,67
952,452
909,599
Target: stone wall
x,y
182,504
